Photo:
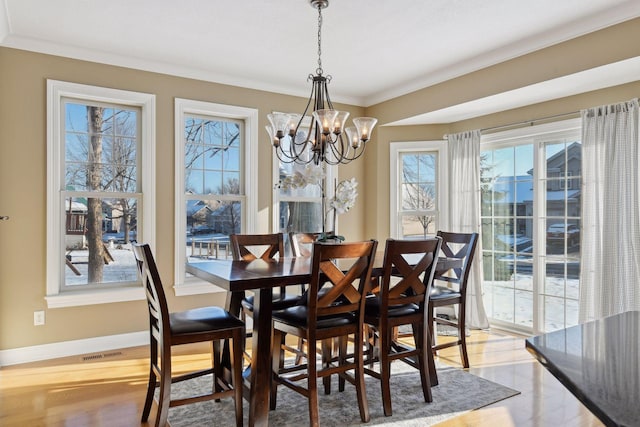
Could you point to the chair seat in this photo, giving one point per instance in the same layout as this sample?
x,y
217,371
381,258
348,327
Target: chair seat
x,y
202,320
279,302
442,293
372,308
297,316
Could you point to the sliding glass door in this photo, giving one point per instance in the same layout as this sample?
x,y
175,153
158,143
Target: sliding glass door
x,y
531,227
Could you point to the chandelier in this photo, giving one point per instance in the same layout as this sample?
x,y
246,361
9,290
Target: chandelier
x,y
324,138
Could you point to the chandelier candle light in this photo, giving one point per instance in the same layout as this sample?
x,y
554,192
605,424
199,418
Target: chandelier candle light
x,y
324,139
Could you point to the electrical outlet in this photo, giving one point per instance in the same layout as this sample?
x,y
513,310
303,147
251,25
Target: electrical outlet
x,y
38,318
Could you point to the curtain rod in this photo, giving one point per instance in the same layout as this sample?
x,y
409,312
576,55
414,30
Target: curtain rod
x,y
526,122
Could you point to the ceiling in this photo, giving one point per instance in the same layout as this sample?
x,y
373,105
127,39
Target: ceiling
x,y
375,50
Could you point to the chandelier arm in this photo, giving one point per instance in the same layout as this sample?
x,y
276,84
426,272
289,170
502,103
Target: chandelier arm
x,y
351,153
290,159
312,98
286,159
297,155
340,153
326,92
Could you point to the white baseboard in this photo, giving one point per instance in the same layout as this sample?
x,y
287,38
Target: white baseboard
x,y
72,348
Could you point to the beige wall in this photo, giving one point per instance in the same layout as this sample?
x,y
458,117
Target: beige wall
x,y
23,162
23,178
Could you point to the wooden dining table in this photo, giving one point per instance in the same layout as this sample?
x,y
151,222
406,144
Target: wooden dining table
x,y
260,277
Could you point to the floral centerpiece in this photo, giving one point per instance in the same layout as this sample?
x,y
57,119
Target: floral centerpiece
x,y
344,197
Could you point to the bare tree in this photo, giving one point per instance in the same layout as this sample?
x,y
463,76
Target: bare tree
x,y
94,205
122,175
195,133
229,212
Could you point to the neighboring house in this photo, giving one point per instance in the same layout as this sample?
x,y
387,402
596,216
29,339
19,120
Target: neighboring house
x,y
198,213
515,193
76,217
75,223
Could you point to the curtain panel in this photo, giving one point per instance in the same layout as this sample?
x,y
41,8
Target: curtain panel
x,y
464,217
610,257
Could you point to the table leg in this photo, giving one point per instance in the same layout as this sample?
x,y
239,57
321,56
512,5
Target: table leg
x,y
233,306
261,358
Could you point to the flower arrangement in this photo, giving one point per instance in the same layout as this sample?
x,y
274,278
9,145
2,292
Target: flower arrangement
x,y
344,198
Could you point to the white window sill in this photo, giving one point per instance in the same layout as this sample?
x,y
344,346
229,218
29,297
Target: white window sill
x,y
106,296
102,296
196,287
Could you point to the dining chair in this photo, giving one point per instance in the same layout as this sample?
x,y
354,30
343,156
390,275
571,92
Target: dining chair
x,y
167,330
249,247
345,270
402,299
460,246
302,243
301,246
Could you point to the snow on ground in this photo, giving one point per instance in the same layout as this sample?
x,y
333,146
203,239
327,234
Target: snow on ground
x,y
516,294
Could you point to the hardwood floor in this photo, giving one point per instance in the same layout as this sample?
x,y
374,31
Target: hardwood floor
x,y
107,389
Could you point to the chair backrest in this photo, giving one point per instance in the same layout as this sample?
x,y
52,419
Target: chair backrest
x,y
302,243
247,247
156,299
336,267
461,246
413,262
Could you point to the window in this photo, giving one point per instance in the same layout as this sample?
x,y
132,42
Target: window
x,y
100,191
216,182
418,188
530,180
300,209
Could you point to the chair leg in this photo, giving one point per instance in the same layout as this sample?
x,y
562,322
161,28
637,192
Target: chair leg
x,y
151,385
300,347
361,391
312,384
217,365
148,401
277,354
385,368
236,376
462,333
433,375
342,359
423,357
165,388
327,355
432,327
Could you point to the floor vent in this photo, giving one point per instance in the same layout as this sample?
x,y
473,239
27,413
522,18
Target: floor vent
x,y
101,356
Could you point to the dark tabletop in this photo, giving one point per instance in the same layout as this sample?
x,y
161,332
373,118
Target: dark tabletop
x,y
248,275
598,362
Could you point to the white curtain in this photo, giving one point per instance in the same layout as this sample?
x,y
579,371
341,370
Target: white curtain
x,y
610,257
464,205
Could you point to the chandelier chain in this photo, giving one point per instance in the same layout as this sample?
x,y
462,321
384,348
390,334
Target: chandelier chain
x,y
319,70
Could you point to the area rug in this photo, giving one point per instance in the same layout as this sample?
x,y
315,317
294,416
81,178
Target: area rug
x,y
458,392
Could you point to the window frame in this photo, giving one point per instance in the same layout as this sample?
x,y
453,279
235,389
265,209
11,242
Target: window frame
x,y
249,116
396,149
57,93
